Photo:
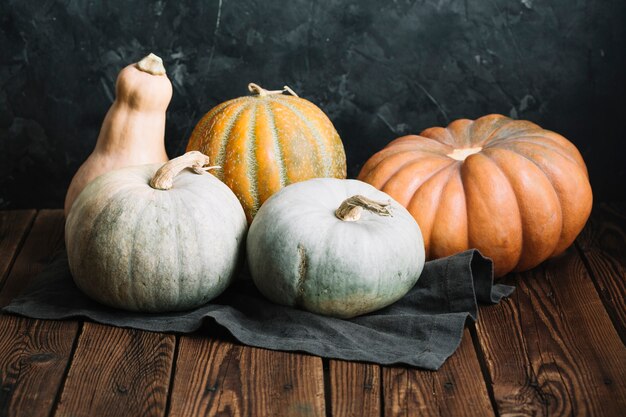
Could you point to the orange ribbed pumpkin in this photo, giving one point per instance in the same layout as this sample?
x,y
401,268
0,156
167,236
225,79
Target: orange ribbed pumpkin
x,y
266,141
517,192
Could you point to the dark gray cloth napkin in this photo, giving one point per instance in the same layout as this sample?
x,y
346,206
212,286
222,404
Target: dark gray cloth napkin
x,y
422,329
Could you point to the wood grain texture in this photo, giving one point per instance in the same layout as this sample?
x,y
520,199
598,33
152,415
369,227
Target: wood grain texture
x,y
456,389
550,349
33,354
14,226
33,359
219,378
44,239
118,372
354,389
602,245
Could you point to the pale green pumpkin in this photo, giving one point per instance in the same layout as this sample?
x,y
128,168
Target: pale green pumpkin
x,y
314,247
135,243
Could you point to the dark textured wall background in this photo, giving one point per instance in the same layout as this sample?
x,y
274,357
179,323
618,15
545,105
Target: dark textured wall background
x,y
379,69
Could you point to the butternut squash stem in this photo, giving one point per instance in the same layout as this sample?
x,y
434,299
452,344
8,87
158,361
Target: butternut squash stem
x,y
163,179
260,91
151,64
352,207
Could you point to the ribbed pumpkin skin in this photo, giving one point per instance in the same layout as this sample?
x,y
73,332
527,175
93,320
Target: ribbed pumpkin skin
x,y
521,198
264,143
136,248
300,254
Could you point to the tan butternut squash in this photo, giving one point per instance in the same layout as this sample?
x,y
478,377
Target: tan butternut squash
x,y
133,131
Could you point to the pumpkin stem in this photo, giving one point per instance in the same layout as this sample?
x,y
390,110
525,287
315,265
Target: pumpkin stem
x,y
260,91
151,64
460,154
163,179
351,208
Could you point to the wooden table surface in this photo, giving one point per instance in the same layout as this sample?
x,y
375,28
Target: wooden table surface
x,y
556,347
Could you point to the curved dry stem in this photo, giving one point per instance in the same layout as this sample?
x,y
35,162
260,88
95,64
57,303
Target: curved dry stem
x,y
163,179
262,92
351,208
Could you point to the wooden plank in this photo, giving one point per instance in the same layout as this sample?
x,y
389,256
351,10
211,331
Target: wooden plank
x,y
602,245
456,389
14,226
33,359
33,354
550,349
354,389
44,240
118,372
215,377
144,377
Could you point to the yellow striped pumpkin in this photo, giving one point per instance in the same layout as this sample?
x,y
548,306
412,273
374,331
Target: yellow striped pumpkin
x,y
266,141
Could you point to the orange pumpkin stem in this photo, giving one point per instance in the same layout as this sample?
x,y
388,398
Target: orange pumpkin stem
x,y
163,179
351,208
262,92
460,154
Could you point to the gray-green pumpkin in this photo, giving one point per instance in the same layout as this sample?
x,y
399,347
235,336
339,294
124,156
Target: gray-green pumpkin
x,y
146,240
334,247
